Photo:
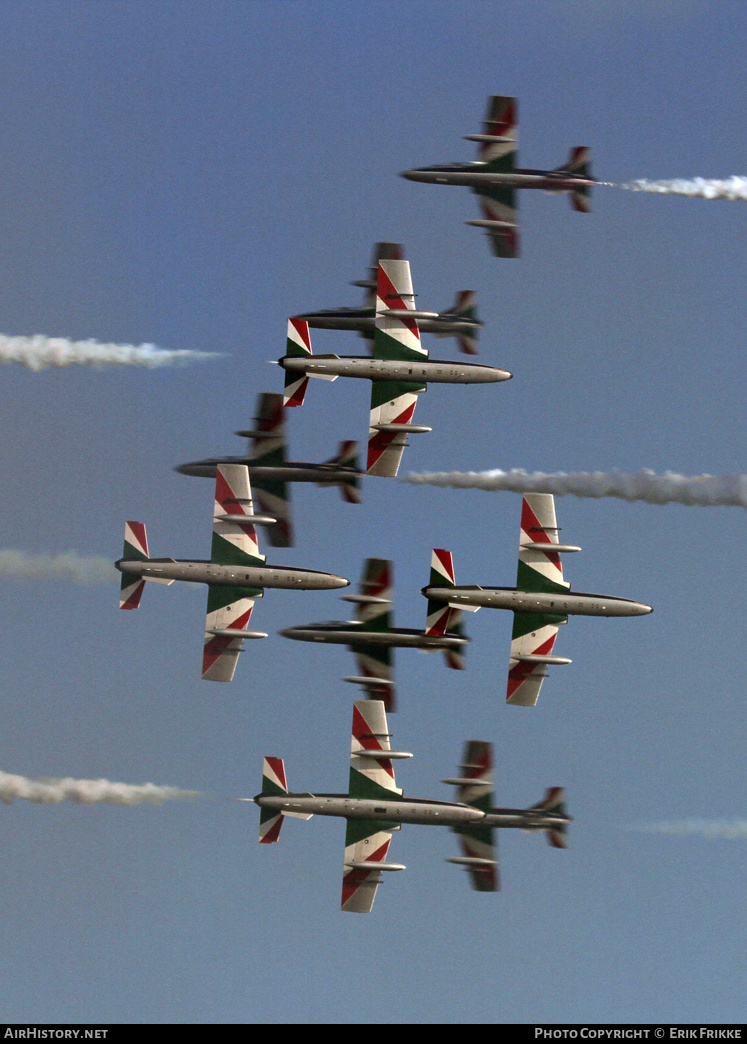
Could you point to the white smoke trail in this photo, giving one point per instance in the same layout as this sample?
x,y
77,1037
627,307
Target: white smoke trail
x,y
80,569
39,352
728,830
86,791
732,188
669,488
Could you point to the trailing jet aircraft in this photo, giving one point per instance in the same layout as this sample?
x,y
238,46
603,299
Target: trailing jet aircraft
x,y
494,176
399,370
374,808
236,573
541,600
459,321
270,472
371,636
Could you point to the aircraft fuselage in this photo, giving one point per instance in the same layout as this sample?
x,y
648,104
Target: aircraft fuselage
x,y
409,810
363,320
349,633
565,603
202,572
472,175
413,371
288,472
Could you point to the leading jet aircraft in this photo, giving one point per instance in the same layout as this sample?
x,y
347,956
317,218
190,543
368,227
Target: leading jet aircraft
x,y
236,573
494,176
374,808
399,370
371,636
270,471
459,321
541,600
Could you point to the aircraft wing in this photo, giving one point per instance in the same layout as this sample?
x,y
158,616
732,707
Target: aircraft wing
x,y
477,843
534,634
393,402
267,448
498,150
374,613
371,776
234,543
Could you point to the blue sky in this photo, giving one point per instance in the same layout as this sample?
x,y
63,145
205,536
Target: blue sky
x,y
190,174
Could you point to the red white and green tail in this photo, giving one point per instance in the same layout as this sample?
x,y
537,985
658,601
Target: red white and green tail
x,y
135,549
554,802
439,613
298,343
579,162
465,306
275,785
347,457
393,402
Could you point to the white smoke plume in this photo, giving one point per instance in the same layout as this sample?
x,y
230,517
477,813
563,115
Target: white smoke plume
x,y
732,188
86,791
712,829
80,569
646,485
39,352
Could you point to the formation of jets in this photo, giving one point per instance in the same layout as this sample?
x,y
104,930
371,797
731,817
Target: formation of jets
x,y
494,177
399,370
374,807
236,574
460,321
371,636
541,601
270,471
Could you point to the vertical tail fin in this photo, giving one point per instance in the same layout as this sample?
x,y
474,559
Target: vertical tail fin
x,y
135,549
438,613
579,162
273,783
347,456
465,307
554,802
298,343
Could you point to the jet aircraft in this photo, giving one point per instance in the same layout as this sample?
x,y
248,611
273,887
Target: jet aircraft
x,y
374,808
494,176
399,370
371,636
270,471
459,321
541,600
236,573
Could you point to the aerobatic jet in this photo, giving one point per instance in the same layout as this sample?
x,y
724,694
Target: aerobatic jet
x,y
371,636
374,808
399,370
270,471
236,573
494,176
541,600
459,321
